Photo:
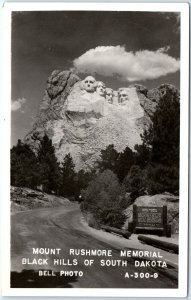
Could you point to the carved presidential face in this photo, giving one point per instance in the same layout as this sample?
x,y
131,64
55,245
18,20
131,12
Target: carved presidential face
x,y
89,84
109,95
100,88
123,96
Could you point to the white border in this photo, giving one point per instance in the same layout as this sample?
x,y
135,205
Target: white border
x,y
183,8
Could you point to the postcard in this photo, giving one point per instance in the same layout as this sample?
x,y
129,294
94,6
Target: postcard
x,y
95,160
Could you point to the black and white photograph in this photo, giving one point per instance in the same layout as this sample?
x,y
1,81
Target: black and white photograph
x,y
95,163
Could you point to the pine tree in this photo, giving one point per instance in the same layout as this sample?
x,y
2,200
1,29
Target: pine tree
x,y
143,151
134,182
165,131
68,178
159,153
83,179
24,166
49,171
108,159
161,140
125,160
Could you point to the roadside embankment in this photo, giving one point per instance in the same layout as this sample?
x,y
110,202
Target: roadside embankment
x,y
23,198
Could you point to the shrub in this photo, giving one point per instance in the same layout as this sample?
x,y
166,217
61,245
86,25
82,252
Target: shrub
x,y
112,217
102,199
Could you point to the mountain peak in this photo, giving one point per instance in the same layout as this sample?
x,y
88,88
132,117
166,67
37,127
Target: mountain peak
x,y
82,117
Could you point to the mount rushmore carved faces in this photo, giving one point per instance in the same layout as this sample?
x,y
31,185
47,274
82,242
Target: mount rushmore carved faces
x,y
123,96
100,88
109,95
89,84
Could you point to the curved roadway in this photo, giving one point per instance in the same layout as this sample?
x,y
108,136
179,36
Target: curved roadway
x,y
62,227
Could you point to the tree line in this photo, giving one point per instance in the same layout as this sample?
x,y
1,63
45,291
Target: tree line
x,y
43,171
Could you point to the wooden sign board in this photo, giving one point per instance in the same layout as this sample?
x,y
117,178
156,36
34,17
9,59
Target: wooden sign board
x,y
150,218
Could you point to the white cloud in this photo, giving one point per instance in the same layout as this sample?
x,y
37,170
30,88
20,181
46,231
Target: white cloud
x,y
131,66
17,104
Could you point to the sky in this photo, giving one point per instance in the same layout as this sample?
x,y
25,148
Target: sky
x,y
119,48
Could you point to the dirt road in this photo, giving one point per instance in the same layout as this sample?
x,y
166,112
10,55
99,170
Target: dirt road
x,y
61,228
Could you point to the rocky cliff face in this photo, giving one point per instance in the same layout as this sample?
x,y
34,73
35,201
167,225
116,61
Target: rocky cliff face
x,y
81,120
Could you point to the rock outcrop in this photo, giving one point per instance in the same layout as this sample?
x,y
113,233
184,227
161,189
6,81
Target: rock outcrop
x,y
80,120
23,198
